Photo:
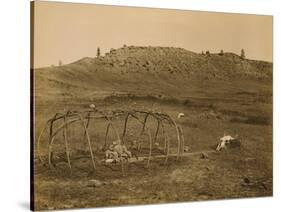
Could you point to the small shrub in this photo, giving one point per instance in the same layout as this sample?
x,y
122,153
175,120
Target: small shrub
x,y
187,102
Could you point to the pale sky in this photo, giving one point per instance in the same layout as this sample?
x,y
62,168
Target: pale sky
x,y
70,31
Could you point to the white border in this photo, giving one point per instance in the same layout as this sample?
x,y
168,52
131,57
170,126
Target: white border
x,y
14,157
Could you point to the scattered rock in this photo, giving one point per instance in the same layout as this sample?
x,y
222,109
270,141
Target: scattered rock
x,y
95,183
186,149
246,180
116,182
250,159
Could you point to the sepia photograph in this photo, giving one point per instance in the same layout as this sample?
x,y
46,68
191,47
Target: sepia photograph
x,y
134,105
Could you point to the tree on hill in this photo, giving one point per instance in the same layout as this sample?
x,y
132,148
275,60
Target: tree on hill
x,y
221,53
98,51
242,56
60,63
112,50
208,53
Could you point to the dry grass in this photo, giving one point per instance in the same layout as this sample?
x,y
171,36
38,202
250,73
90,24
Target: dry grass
x,y
212,103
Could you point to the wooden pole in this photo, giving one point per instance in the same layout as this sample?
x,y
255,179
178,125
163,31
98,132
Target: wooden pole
x,y
125,127
66,144
182,140
89,141
156,133
150,147
168,149
106,133
38,142
178,137
88,121
50,147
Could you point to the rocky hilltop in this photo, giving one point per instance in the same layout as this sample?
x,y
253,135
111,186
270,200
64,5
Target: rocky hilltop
x,y
135,69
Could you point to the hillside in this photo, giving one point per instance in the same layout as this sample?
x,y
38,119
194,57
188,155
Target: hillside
x,y
218,95
148,71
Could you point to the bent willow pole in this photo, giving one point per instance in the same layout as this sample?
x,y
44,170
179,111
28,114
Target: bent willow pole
x,y
66,145
60,123
110,124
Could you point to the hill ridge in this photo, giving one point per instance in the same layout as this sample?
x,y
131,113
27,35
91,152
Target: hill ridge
x,y
167,68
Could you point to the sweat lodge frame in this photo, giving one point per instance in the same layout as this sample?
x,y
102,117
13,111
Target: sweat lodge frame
x,y
84,117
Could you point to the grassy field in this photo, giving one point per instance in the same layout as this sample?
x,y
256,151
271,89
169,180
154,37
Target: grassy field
x,y
211,108
219,94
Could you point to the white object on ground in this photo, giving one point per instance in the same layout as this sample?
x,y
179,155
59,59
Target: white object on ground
x,y
186,149
224,141
109,160
180,115
92,106
116,152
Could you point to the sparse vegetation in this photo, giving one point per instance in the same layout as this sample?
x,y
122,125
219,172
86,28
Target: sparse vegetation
x,y
253,120
242,55
98,52
221,53
227,102
112,50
